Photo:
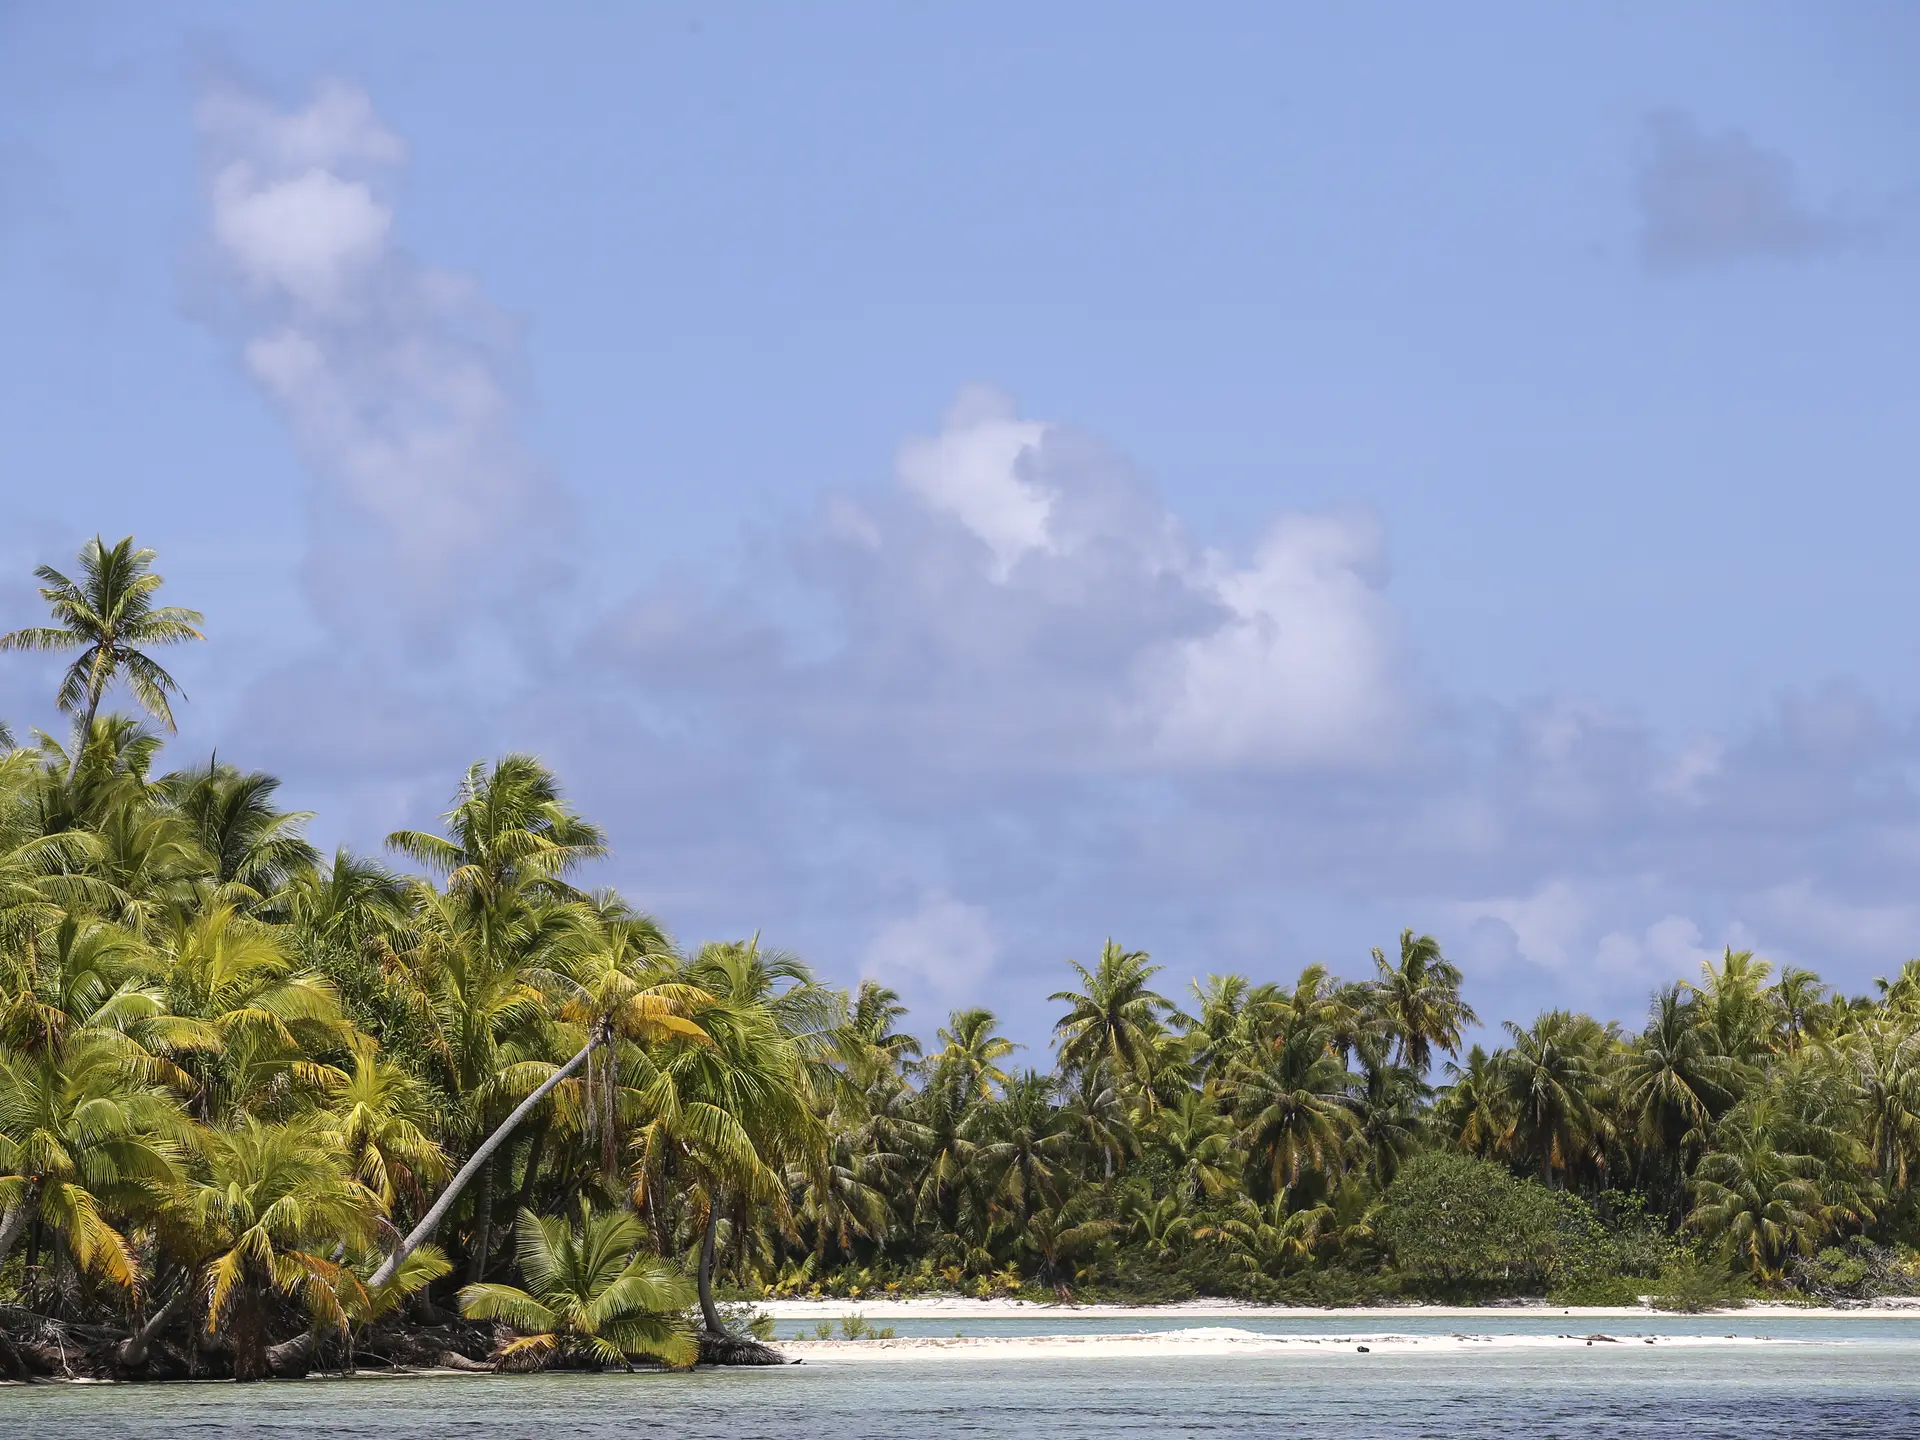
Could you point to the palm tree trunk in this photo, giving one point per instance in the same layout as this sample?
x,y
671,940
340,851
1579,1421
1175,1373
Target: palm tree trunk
x,y
708,1312
15,1224
431,1220
248,1337
536,1151
482,1227
133,1350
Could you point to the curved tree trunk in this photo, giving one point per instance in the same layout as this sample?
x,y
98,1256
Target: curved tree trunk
x,y
15,1225
708,1311
430,1222
132,1352
719,1345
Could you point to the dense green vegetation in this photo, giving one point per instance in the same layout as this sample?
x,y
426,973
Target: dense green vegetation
x,y
234,1072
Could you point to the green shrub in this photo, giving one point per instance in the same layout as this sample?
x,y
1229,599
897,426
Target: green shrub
x,y
1691,1283
1455,1224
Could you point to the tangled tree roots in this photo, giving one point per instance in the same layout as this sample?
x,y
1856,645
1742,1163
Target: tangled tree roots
x,y
736,1350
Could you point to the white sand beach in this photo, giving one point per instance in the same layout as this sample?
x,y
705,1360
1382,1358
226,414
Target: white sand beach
x,y
1222,1340
880,1309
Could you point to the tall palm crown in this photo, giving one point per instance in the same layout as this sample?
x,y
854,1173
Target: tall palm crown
x,y
1419,999
108,615
1115,1017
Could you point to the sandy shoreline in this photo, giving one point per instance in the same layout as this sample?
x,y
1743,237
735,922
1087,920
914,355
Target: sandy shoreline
x,y
1223,1340
880,1309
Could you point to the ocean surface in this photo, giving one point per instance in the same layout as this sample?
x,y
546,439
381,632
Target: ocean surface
x,y
1845,1384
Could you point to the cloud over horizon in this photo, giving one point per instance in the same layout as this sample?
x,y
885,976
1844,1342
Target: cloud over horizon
x,y
949,726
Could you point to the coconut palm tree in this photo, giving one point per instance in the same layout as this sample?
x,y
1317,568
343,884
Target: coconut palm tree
x,y
967,1065
272,1209
730,1111
589,1299
1115,1017
1021,1141
1761,1197
1474,1107
1674,1082
108,615
81,1138
1552,1082
1418,1000
254,849
1293,1103
383,1117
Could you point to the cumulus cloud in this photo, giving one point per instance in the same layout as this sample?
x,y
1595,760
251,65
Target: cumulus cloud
x,y
391,373
974,471
1302,666
1006,672
1019,599
1710,199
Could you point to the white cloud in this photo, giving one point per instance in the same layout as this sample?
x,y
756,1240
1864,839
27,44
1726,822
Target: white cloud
x,y
944,949
389,372
1548,926
1302,669
974,470
310,235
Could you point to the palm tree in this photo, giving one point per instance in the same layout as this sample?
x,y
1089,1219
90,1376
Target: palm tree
x,y
110,618
1552,1082
1800,1000
1293,1104
1885,1059
254,849
383,1118
276,1204
80,1138
511,842
968,1063
1115,1018
589,1298
1388,1108
730,1111
1735,1005
1760,1196
1474,1107
1419,1001
1020,1141
1674,1083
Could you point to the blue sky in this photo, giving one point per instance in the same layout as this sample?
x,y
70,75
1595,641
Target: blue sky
x,y
948,483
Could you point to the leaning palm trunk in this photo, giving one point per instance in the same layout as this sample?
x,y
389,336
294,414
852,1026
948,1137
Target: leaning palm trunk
x,y
719,1345
430,1222
15,1225
133,1350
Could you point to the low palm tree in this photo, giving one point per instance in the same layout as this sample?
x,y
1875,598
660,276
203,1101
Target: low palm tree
x,y
589,1299
1762,1198
272,1210
108,615
80,1137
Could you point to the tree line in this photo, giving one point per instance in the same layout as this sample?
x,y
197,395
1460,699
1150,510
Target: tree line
x,y
260,1106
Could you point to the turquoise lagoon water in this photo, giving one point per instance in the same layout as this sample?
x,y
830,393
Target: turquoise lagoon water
x,y
1849,1384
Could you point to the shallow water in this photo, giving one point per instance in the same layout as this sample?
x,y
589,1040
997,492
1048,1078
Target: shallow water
x,y
1815,1390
